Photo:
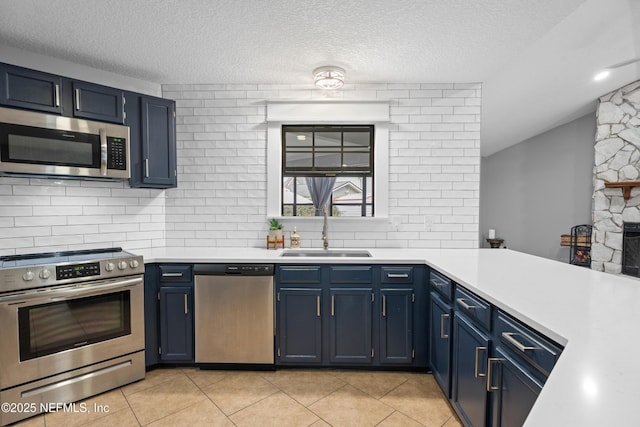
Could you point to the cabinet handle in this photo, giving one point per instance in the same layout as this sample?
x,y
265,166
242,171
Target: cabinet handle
x,y
77,99
384,305
477,372
490,362
186,305
146,168
465,305
397,275
333,303
517,344
442,317
318,305
171,274
57,94
103,151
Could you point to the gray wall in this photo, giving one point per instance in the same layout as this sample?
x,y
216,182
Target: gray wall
x,y
534,191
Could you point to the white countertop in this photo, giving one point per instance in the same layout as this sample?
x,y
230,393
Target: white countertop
x,y
595,382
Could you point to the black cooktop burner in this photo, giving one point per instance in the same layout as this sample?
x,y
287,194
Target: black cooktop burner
x,y
9,261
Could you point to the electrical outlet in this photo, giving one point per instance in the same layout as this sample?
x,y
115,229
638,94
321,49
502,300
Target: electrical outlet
x,y
428,223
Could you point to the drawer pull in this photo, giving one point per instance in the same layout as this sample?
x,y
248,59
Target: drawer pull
x,y
397,275
436,283
517,344
477,372
490,386
442,317
464,305
171,274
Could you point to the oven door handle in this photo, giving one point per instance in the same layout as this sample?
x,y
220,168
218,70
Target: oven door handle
x,y
75,291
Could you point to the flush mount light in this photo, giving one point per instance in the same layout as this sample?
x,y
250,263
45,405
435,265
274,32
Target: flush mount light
x,y
328,77
601,75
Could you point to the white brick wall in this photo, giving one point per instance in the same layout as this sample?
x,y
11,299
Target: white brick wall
x,y
42,215
434,165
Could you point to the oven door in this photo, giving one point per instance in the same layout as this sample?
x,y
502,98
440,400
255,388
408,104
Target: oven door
x,y
47,332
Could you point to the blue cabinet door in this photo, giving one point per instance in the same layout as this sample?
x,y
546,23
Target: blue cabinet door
x,y
96,102
23,88
470,355
151,344
158,142
350,336
299,325
440,342
396,325
176,323
514,390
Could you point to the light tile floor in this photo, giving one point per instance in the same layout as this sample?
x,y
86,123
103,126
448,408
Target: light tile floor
x,y
193,397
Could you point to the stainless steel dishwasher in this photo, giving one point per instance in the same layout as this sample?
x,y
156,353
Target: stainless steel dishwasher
x,y
234,313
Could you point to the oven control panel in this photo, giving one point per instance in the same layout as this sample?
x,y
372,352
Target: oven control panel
x,y
77,270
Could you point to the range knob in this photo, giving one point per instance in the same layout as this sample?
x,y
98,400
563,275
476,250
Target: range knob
x,y
28,276
45,274
122,265
110,266
134,263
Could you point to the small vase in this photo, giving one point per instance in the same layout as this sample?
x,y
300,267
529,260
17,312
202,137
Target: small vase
x,y
275,235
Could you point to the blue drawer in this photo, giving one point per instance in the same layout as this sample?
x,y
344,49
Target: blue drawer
x,y
442,284
400,275
175,273
351,274
526,343
473,307
299,274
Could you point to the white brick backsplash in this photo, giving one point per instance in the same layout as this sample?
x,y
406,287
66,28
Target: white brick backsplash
x,y
221,196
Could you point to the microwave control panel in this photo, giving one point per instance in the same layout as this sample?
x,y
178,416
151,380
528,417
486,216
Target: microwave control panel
x,y
117,153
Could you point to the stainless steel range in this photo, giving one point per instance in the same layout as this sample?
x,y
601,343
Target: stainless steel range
x,y
71,326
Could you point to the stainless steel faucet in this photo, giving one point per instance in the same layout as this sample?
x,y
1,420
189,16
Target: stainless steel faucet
x,y
325,237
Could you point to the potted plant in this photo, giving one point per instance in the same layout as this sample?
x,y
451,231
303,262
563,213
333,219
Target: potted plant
x,y
275,230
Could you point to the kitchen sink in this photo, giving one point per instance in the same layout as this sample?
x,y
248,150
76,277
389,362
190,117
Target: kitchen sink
x,y
326,253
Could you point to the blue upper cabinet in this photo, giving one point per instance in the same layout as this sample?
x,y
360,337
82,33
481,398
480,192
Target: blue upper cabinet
x,y
152,125
95,102
30,89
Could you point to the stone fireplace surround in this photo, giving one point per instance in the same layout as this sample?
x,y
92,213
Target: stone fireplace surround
x,y
617,159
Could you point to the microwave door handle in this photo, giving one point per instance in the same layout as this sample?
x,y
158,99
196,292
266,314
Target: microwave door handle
x,y
103,151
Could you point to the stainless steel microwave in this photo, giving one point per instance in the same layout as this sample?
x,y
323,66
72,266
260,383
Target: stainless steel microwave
x,y
44,144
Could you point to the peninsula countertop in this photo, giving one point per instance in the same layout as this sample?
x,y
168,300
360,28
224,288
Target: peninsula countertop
x,y
593,314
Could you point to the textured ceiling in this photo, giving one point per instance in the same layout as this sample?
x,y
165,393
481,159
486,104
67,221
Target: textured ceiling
x,y
282,41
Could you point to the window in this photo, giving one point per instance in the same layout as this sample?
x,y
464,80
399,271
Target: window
x,y
328,161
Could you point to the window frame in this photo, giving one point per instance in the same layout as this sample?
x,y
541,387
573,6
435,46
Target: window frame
x,y
319,171
323,112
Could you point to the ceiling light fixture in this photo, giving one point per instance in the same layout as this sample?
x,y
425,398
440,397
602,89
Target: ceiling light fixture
x,y
605,72
329,77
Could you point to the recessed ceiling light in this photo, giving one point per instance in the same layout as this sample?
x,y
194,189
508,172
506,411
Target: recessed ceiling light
x,y
601,75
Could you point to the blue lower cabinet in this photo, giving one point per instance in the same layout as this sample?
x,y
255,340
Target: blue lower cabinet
x,y
440,342
396,325
176,323
299,325
513,388
350,326
470,356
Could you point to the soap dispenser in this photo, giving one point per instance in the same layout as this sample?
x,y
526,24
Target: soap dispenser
x,y
295,239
